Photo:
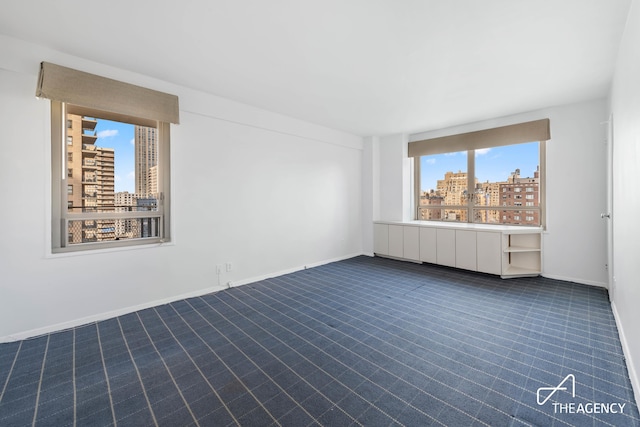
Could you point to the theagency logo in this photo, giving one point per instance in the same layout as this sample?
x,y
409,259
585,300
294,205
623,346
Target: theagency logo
x,y
559,387
568,385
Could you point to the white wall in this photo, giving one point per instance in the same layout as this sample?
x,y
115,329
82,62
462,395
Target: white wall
x,y
575,239
394,199
625,108
266,192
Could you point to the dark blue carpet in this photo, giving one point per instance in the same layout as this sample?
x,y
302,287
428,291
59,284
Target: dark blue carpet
x,y
366,341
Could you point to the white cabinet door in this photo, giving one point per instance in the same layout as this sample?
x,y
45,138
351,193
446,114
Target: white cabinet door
x,y
428,245
446,247
489,249
381,239
396,241
411,236
466,249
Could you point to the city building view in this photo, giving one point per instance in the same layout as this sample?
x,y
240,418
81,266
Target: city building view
x,y
91,184
449,200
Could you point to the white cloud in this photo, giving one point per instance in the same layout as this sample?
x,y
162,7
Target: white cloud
x,y
131,175
117,178
431,161
133,141
482,151
107,133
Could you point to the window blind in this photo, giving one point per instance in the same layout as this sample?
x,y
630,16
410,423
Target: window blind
x,y
537,130
71,86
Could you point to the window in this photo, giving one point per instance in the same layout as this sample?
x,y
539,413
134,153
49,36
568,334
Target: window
x,y
117,172
485,182
115,195
444,190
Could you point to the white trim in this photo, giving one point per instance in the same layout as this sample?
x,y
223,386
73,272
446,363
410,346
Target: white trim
x,y
32,333
575,280
58,327
290,270
626,351
97,251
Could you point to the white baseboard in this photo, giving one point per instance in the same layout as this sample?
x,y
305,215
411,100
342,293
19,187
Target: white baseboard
x,y
574,280
32,333
290,270
633,375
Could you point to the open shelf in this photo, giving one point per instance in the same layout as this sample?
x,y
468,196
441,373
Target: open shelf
x,y
522,254
513,271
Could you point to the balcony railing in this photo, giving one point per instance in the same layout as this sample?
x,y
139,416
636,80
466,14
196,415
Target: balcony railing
x,y
503,215
116,227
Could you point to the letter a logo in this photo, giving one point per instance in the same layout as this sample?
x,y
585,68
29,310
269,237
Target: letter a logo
x,y
553,390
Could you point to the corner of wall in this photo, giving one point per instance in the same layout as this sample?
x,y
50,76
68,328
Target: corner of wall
x,y
395,192
629,360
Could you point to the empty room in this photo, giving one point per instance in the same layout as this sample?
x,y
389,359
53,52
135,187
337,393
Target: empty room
x,y
320,213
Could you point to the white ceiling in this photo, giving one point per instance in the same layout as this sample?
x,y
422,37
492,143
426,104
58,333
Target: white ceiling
x,y
369,67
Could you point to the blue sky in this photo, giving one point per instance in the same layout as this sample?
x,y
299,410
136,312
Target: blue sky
x,y
119,136
492,164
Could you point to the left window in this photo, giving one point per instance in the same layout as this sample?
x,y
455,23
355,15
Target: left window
x,y
110,163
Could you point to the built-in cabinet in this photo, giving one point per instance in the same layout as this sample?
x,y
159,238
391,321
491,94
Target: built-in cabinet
x,y
507,251
488,245
466,250
428,244
411,243
396,241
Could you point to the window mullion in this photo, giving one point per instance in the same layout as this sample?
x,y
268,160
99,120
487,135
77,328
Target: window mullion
x,y
471,173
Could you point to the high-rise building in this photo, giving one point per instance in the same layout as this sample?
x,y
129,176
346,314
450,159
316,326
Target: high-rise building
x,y
521,192
90,180
152,181
125,202
146,157
454,192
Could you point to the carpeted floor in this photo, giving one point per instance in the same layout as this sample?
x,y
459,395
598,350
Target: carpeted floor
x,y
365,341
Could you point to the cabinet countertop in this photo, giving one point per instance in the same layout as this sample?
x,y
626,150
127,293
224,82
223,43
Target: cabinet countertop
x,y
515,229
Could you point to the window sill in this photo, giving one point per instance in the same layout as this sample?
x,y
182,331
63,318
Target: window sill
x,y
64,253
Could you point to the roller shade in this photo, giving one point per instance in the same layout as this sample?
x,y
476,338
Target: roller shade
x,y
71,86
537,130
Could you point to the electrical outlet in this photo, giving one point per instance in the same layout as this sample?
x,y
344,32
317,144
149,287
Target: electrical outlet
x,y
229,266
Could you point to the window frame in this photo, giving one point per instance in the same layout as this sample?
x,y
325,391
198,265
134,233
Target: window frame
x,y
470,206
60,215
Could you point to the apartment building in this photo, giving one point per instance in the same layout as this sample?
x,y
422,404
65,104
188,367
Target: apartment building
x,y
146,160
90,180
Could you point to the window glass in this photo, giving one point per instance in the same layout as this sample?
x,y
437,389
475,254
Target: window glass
x,y
114,182
505,176
118,173
443,187
510,171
